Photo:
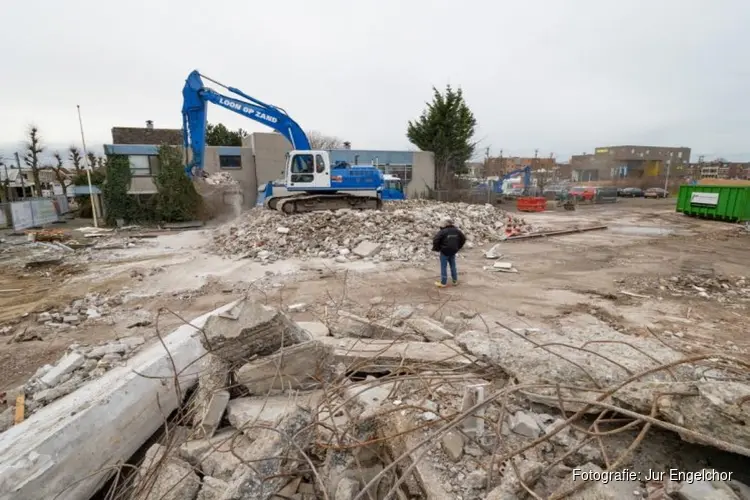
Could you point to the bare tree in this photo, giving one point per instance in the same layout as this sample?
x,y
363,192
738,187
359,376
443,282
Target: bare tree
x,y
319,140
60,173
75,158
33,151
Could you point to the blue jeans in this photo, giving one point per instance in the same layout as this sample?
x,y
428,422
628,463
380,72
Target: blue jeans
x,y
445,261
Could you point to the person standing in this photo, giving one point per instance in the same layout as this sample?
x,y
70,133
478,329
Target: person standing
x,y
448,242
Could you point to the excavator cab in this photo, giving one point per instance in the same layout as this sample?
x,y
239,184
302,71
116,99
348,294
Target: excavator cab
x,y
308,171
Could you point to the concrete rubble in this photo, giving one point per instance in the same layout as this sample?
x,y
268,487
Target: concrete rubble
x,y
399,232
79,365
295,410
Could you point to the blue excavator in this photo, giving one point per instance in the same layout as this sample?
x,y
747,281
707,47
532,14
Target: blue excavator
x,y
311,183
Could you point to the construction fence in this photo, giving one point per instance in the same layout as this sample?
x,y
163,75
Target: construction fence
x,y
33,212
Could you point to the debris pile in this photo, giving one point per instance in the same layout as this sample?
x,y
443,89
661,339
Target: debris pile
x,y
373,405
723,289
220,179
401,232
80,364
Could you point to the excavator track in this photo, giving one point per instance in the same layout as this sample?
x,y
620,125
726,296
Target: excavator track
x,y
305,203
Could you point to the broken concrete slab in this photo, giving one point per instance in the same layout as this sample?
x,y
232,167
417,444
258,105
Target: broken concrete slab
x,y
212,489
66,365
524,424
52,450
302,366
608,360
219,456
370,355
213,412
213,377
714,409
244,413
315,328
248,329
429,329
399,435
351,325
367,249
169,478
272,455
453,445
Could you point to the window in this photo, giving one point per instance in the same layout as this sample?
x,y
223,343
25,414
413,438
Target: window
x,y
679,154
320,165
144,165
648,151
403,172
302,168
230,161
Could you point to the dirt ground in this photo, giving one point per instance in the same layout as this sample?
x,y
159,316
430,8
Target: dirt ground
x,y
560,279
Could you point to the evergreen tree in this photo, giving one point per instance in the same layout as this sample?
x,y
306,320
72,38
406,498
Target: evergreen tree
x,y
177,199
117,202
446,128
219,135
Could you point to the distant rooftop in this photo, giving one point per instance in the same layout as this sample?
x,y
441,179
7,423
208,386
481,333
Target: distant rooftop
x,y
147,135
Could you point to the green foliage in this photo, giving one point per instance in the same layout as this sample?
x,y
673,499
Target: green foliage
x,y
97,178
74,155
117,203
446,128
177,200
219,135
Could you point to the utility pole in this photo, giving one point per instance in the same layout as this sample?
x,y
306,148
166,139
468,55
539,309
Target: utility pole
x,y
20,174
89,169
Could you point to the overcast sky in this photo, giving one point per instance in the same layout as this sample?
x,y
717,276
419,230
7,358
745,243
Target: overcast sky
x,y
563,76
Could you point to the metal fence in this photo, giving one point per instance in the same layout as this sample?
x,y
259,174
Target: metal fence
x,y
33,212
5,220
473,196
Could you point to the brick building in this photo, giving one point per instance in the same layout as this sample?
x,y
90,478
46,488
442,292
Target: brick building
x,y
718,169
633,164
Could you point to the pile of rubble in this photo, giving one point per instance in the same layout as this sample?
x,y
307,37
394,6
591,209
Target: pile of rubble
x,y
723,289
401,231
365,406
220,179
80,364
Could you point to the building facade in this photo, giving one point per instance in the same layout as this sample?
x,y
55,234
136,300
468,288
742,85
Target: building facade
x,y
718,169
260,159
629,163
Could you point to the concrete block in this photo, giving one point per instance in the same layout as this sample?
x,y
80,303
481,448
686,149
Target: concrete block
x,y
213,377
315,328
66,365
371,355
103,350
213,412
244,413
273,455
367,249
429,329
453,445
300,366
524,424
165,479
250,328
53,451
212,489
219,456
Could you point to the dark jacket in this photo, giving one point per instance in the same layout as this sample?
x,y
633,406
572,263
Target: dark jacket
x,y
448,241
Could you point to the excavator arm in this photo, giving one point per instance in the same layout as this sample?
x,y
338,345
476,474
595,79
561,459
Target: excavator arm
x,y
195,96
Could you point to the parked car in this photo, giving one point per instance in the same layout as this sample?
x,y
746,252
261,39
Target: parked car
x,y
582,193
631,192
655,193
605,194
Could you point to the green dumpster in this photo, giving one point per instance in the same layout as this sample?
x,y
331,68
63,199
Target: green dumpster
x,y
728,203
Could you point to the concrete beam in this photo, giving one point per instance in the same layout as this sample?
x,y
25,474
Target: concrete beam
x,y
60,449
